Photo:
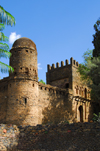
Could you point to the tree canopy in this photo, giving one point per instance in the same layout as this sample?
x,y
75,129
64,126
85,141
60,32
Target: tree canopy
x,y
90,69
5,19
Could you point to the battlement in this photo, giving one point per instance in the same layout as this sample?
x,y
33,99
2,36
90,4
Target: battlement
x,y
53,89
72,63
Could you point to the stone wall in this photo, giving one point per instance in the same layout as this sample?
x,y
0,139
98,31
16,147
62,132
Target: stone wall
x,y
60,137
3,99
29,103
59,76
22,102
54,105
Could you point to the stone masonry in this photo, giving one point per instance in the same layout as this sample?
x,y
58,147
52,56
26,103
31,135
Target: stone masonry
x,y
25,101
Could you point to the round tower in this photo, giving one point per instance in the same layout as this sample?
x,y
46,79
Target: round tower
x,y
22,106
24,59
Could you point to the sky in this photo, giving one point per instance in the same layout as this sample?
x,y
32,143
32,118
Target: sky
x,y
61,29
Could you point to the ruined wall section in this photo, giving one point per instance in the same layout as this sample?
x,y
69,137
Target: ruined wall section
x,y
3,99
54,104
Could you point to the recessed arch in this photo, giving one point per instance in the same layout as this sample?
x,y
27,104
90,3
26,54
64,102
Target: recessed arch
x,y
81,113
85,92
80,91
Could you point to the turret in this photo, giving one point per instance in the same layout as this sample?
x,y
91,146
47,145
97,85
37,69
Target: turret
x,y
24,59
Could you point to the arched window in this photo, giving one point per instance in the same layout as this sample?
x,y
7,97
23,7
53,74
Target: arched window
x,y
80,91
85,92
88,94
76,91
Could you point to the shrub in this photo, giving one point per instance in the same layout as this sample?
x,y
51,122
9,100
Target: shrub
x,y
96,117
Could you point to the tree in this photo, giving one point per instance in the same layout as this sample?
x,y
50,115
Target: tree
x,y
93,80
7,19
83,67
41,81
90,69
96,40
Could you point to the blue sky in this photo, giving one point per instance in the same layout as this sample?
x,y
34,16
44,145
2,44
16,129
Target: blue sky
x,y
61,29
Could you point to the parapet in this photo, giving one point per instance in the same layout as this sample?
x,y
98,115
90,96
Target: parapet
x,y
72,63
52,89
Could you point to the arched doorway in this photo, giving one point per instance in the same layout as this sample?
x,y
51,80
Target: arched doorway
x,y
81,113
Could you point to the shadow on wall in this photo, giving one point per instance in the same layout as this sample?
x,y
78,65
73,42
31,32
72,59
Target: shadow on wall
x,y
94,108
58,110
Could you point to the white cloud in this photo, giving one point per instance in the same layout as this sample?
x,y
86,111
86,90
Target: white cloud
x,y
13,36
38,66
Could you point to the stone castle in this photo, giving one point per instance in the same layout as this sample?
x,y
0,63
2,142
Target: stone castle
x,y
25,101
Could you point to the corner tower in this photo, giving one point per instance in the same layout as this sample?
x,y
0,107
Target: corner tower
x,y
24,59
22,103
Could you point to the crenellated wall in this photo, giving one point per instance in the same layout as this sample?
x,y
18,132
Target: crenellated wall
x,y
61,76
72,63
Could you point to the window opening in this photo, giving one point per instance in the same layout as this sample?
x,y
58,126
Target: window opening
x,y
85,93
80,91
25,101
67,85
